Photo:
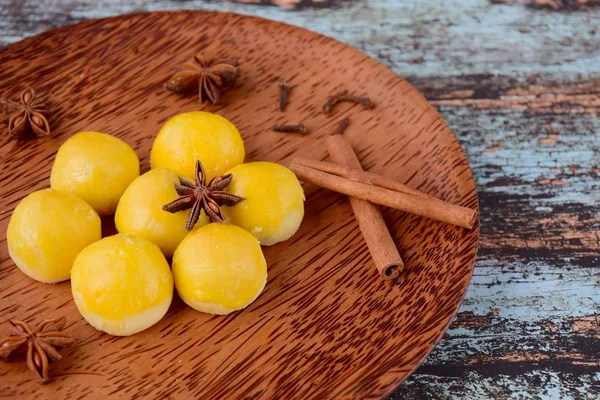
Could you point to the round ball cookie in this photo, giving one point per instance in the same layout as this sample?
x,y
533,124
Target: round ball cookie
x,y
47,230
274,205
95,167
122,284
140,210
219,268
197,135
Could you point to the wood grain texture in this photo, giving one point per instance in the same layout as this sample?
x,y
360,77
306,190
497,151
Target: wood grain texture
x,y
521,95
326,325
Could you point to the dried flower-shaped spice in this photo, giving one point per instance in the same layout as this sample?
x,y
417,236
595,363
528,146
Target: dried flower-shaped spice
x,y
365,102
342,126
205,76
300,128
284,90
199,196
41,344
26,115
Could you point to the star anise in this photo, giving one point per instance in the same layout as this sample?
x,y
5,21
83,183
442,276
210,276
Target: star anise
x,y
199,196
41,344
206,76
26,116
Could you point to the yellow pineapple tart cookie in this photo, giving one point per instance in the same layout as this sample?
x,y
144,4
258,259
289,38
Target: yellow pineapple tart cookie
x,y
122,284
140,210
274,205
95,167
46,231
197,135
219,268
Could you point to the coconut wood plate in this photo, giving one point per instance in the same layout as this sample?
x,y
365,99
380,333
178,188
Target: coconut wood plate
x,y
327,325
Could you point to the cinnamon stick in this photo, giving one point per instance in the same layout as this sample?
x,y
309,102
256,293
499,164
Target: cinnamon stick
x,y
370,221
420,203
378,195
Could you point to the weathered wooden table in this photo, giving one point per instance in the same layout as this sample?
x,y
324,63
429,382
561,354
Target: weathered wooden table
x,y
519,82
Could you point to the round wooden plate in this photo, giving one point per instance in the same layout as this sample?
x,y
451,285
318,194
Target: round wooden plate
x,y
327,325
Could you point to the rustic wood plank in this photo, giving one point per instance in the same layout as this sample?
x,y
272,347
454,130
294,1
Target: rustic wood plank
x,y
522,96
529,324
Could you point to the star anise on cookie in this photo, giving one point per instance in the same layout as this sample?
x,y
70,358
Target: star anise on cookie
x,y
41,344
207,77
199,196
